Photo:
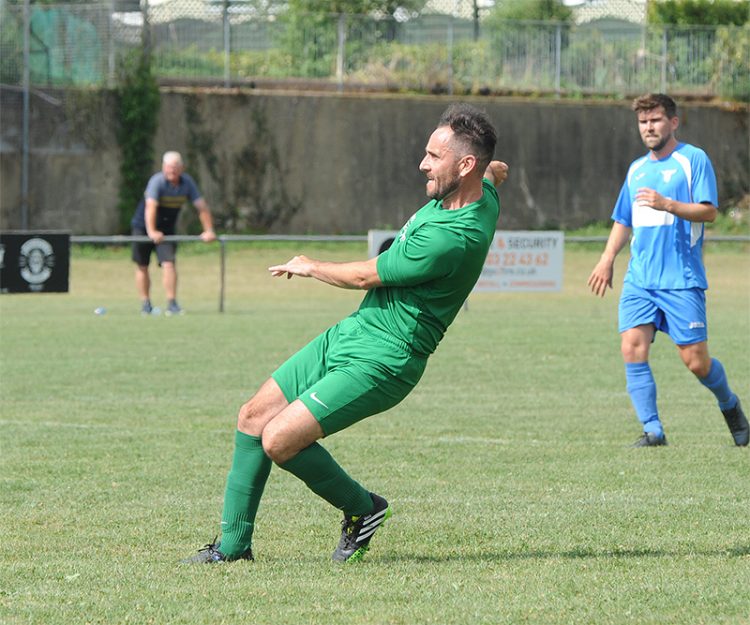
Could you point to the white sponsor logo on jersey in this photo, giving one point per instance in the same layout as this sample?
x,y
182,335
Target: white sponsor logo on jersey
x,y
667,174
644,215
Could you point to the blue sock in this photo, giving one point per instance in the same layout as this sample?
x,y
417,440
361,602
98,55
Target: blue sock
x,y
716,382
642,390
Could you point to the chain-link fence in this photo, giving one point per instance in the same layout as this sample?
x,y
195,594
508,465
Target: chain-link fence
x,y
455,51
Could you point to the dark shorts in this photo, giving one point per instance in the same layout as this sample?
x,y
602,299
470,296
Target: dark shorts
x,y
349,373
141,253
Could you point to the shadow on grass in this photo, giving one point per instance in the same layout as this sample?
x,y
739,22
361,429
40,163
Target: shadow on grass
x,y
573,554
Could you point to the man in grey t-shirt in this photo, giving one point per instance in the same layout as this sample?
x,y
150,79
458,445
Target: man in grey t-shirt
x,y
156,217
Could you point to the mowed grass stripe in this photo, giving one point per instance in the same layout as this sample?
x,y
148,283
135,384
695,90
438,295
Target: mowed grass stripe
x,y
516,498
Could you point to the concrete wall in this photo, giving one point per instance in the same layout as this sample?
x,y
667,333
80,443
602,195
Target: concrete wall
x,y
327,163
73,165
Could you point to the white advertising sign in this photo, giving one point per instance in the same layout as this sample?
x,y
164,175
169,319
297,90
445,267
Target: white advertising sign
x,y
518,260
523,260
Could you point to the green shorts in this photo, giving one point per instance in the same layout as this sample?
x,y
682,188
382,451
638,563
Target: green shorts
x,y
349,372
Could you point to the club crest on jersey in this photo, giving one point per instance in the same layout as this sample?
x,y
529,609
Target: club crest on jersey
x,y
667,174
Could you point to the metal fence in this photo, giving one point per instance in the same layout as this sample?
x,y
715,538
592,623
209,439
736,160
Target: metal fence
x,y
224,239
196,41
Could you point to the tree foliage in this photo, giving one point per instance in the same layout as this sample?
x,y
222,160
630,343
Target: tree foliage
x,y
21,2
699,12
354,7
532,10
311,33
138,108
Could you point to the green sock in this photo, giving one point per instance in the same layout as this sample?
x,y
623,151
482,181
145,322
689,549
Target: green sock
x,y
245,484
323,476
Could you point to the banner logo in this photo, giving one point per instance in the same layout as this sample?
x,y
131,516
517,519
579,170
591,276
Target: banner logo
x,y
35,261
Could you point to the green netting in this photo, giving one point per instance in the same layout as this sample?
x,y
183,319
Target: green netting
x,y
65,49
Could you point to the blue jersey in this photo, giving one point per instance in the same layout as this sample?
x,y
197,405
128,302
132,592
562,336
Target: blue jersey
x,y
170,200
666,250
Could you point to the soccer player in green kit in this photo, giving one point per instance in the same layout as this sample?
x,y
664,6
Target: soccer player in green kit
x,y
371,360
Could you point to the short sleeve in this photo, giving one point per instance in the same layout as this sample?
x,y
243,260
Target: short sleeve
x,y
152,188
191,188
623,212
427,253
704,180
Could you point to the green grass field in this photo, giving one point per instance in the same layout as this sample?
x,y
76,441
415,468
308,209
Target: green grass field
x,y
516,497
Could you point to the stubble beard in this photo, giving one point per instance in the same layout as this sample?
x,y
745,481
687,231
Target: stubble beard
x,y
442,192
659,146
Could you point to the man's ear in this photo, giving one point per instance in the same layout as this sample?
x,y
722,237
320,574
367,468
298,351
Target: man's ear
x,y
467,165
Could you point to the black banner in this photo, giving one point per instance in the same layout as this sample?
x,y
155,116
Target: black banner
x,y
34,262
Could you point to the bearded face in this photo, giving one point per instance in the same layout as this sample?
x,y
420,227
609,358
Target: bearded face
x,y
441,164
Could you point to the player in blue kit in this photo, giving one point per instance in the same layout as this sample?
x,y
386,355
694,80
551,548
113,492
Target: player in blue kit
x,y
666,198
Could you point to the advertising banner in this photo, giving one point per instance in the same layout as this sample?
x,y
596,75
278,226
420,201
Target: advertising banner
x,y
518,260
34,262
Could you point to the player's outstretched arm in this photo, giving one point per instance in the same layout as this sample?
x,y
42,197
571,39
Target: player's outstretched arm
x,y
354,275
496,172
601,276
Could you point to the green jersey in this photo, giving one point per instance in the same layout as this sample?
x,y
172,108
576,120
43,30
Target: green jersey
x,y
429,271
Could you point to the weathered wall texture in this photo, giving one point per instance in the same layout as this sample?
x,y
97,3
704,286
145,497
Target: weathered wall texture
x,y
73,164
321,163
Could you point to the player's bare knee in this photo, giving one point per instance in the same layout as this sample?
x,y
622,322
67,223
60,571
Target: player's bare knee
x,y
696,359
633,352
698,367
274,446
247,416
268,447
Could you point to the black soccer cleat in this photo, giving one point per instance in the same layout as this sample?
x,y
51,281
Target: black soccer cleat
x,y
737,423
649,439
210,554
356,531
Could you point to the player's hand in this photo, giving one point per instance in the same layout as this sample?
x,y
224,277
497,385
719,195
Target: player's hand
x,y
208,235
297,266
601,278
157,236
652,199
497,172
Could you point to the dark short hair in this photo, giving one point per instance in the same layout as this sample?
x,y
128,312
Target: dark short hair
x,y
473,130
650,101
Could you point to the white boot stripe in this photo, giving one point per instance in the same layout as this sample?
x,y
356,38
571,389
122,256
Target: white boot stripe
x,y
374,519
369,529
366,534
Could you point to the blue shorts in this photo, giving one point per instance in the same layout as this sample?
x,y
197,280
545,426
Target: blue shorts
x,y
680,313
